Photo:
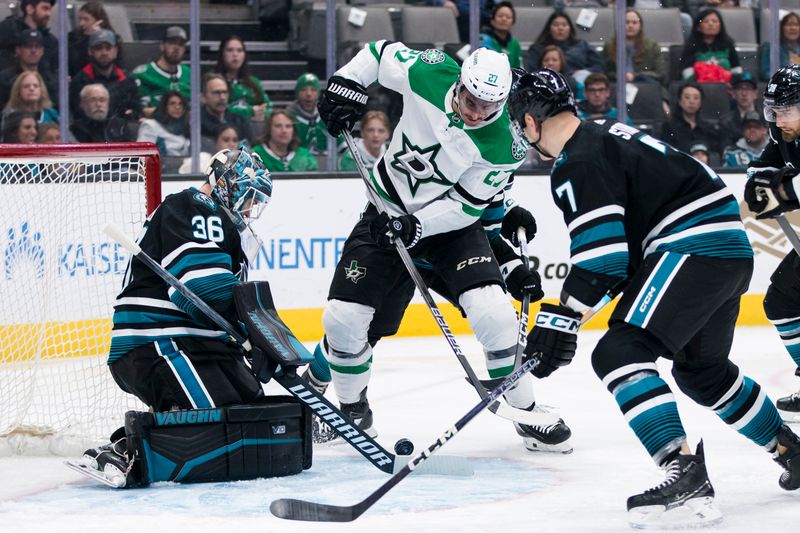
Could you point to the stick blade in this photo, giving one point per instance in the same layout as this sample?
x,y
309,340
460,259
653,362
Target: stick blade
x,y
291,509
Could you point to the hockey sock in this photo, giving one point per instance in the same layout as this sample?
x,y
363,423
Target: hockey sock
x,y
319,367
350,372
789,330
649,406
500,363
746,408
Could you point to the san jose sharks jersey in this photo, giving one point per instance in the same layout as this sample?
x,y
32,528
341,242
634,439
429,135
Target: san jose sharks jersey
x,y
442,171
625,195
193,239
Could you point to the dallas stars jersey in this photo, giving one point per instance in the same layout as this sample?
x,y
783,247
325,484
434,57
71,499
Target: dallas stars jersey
x,y
154,82
194,240
299,160
435,167
626,195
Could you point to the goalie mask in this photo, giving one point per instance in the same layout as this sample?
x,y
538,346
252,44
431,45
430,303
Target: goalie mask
x,y
240,183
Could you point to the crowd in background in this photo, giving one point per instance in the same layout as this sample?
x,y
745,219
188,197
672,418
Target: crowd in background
x,y
150,102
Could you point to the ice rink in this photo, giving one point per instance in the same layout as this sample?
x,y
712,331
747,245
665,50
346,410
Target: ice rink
x,y
417,391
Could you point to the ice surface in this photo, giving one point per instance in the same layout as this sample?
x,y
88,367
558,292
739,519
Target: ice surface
x,y
417,391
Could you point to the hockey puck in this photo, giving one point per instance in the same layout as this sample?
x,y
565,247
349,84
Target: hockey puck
x,y
403,447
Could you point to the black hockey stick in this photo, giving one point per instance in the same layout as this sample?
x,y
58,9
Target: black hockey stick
x,y
501,409
292,509
324,409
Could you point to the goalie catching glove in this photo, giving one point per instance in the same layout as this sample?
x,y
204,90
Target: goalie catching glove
x,y
553,339
770,192
342,104
385,229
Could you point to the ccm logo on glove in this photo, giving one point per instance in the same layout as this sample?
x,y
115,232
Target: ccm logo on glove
x,y
557,322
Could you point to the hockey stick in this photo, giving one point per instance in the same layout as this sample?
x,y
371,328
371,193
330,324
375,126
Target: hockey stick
x,y
292,509
501,409
324,409
781,219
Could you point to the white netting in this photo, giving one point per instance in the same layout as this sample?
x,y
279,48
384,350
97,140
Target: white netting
x,y
59,277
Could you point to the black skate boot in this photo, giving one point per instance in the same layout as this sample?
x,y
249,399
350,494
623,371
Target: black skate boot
x,y
789,459
551,435
684,499
360,415
789,406
108,463
320,431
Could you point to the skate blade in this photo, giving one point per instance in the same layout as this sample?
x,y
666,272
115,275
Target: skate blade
x,y
116,482
695,513
533,445
790,417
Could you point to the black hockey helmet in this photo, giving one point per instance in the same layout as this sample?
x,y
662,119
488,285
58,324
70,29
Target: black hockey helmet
x,y
542,94
783,91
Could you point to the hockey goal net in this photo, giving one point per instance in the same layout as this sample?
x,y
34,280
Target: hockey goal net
x,y
59,279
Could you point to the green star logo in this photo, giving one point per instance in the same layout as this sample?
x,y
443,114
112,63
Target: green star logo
x,y
432,56
354,272
418,165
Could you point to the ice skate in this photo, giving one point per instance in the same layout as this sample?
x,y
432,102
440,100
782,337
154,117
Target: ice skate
x,y
789,459
789,407
551,435
684,499
108,463
359,413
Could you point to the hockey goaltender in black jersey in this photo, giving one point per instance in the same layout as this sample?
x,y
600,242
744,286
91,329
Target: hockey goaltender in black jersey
x,y
641,212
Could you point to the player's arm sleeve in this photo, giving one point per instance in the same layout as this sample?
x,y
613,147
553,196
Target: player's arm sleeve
x,y
492,217
386,62
197,262
593,204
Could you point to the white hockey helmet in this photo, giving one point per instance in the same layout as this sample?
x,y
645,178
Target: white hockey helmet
x,y
486,74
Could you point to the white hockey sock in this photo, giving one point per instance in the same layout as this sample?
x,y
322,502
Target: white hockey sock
x,y
350,373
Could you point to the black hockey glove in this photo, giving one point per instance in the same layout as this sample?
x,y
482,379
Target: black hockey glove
x,y
342,104
769,191
522,281
515,218
384,230
553,339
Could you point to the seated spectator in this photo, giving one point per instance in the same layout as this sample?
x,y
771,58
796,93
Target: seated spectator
x,y
29,94
709,54
215,111
644,61
746,100
497,35
750,145
35,15
19,128
169,127
165,73
371,145
790,46
685,127
559,30
225,137
92,17
246,96
598,99
48,133
310,128
29,51
700,152
460,9
280,148
102,68
95,125
553,58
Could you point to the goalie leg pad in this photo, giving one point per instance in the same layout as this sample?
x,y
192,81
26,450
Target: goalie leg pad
x,y
491,316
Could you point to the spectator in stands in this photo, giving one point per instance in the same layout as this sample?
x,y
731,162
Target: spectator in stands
x,y
371,145
225,137
685,127
553,58
19,128
709,54
790,45
169,127
559,30
746,100
497,35
460,9
35,15
48,133
165,73
644,60
700,152
246,97
92,17
598,99
29,51
29,94
310,128
95,124
750,145
280,148
215,111
102,68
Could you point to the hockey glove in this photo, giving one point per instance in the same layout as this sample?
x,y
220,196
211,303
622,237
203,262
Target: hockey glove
x,y
522,281
770,191
515,218
342,104
385,229
553,338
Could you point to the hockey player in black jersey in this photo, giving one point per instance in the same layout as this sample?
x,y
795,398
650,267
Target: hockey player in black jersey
x,y
163,349
776,169
643,213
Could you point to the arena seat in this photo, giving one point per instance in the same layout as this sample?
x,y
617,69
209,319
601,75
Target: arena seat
x,y
377,25
601,31
428,24
662,25
740,26
530,23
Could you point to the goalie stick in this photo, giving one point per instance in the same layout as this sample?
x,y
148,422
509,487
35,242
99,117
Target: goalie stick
x,y
351,433
500,409
292,509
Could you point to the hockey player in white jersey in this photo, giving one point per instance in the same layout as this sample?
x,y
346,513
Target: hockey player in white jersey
x,y
451,155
